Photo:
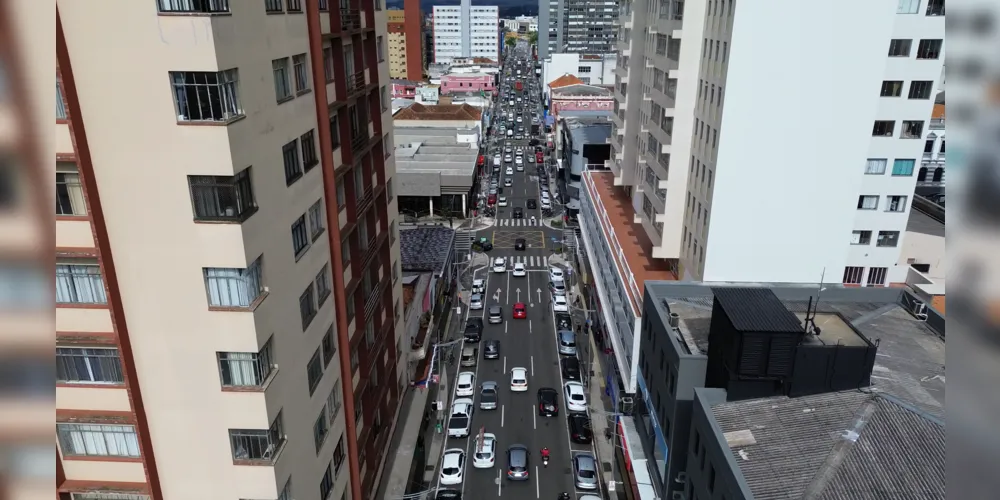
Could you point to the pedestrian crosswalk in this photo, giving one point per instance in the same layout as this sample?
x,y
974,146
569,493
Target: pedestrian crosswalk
x,y
529,261
518,222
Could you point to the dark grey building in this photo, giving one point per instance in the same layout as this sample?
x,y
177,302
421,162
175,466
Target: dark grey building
x,y
582,145
713,361
584,26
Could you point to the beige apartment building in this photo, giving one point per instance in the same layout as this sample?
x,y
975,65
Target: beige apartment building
x,y
228,314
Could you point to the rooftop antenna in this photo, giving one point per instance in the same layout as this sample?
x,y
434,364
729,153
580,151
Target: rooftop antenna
x,y
813,308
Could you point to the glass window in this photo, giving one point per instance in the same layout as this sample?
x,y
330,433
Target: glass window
x,y
223,198
282,88
903,167
69,191
79,283
231,287
207,96
300,69
89,365
98,440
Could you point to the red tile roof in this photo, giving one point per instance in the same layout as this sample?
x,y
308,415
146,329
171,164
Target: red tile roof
x,y
418,111
565,80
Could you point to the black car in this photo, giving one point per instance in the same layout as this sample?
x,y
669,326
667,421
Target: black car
x,y
448,494
563,321
517,213
491,350
570,369
532,204
519,244
548,402
474,329
579,428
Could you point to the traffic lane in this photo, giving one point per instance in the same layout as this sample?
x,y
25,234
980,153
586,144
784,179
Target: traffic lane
x,y
481,481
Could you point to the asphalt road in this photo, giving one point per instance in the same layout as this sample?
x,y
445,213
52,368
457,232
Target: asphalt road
x,y
526,343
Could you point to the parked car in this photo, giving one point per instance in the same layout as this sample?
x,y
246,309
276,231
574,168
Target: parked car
x,y
570,368
580,430
576,400
466,383
461,418
452,466
476,301
473,329
567,342
559,304
585,471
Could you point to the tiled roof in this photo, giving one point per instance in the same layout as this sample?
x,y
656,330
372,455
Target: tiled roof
x,y
565,80
420,111
938,111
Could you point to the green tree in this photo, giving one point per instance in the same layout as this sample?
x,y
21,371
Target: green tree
x,y
533,38
511,42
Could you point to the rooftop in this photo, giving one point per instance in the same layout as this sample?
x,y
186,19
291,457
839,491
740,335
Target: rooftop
x,y
427,150
911,355
580,89
938,111
420,111
781,444
467,75
920,222
426,248
588,129
631,237
399,81
565,80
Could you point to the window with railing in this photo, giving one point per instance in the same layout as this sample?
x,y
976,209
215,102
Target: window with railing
x,y
912,129
294,5
246,369
97,440
290,159
206,96
935,8
257,445
334,132
79,281
301,71
327,346
193,6
223,197
60,103
333,402
273,6
69,191
282,86
233,287
661,44
652,145
338,456
647,208
107,495
307,306
314,370
89,365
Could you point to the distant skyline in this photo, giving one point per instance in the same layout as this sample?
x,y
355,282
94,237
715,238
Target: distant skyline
x,y
508,8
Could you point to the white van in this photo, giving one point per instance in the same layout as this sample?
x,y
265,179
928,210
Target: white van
x,y
510,133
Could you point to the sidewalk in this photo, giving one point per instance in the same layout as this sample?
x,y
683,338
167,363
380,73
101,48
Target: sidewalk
x,y
601,419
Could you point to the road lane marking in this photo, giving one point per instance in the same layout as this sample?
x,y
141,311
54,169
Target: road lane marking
x,y
499,484
534,418
533,365
505,365
502,407
538,488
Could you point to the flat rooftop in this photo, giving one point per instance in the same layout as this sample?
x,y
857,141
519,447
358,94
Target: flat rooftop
x,y
780,444
435,149
920,222
910,364
631,237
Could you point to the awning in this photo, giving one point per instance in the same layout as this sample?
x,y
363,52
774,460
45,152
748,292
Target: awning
x,y
635,459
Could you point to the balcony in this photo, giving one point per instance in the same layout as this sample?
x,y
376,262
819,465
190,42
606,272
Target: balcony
x,y
358,141
356,84
664,161
365,200
373,298
937,124
350,19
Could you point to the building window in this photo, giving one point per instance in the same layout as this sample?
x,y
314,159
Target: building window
x,y
369,334
333,403
883,128
98,440
60,103
935,8
272,6
324,5
257,445
380,49
245,369
89,365
308,141
853,275
282,88
861,237
334,132
326,484
290,157
887,239
358,413
876,276
322,281
912,129
903,167
328,63
300,236
386,152
69,191
908,7
106,496
316,219
79,282
307,306
193,6
300,69
929,49
900,47
223,197
892,88
314,370
921,89
388,189
384,98
231,287
294,5
338,456
355,360
345,252
895,204
329,348
867,202
206,96
876,166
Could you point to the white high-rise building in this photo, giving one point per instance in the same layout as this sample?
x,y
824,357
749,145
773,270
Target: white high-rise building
x,y
466,31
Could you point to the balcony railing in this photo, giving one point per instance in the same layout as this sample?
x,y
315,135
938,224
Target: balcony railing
x,y
365,200
355,83
350,19
664,160
937,123
359,141
373,299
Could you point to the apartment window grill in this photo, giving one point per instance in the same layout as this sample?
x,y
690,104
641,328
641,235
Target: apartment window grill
x,y
324,5
920,89
333,403
89,365
223,198
300,70
328,347
316,220
891,88
929,49
207,96
257,445
194,6
887,239
282,87
246,369
290,158
307,306
895,203
300,236
328,62
338,455
861,238
875,166
314,370
321,428
79,283
935,8
107,496
273,6
334,132
883,128
912,129
647,207
322,280
60,103
294,5
98,440
69,191
876,276
853,275
900,47
232,287
369,334
867,202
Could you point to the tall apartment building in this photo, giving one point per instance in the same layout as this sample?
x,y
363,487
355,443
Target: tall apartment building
x,y
407,58
755,149
466,31
225,328
582,26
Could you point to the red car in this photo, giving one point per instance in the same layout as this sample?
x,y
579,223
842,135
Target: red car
x,y
538,157
492,200
520,312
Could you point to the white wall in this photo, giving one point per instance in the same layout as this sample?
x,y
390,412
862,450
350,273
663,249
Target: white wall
x,y
601,72
784,200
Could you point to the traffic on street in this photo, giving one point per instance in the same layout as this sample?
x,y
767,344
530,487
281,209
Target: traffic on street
x,y
518,419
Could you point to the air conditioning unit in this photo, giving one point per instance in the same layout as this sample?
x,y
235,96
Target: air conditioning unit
x,y
682,478
919,309
625,405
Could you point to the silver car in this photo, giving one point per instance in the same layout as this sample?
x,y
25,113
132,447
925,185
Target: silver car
x,y
517,462
567,342
476,301
488,396
585,471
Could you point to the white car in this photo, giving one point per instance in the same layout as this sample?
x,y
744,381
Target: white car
x,y
556,274
486,451
476,302
503,201
496,160
520,166
500,265
576,399
461,418
518,380
545,204
519,120
508,158
466,384
510,171
520,270
478,286
453,466
559,304
519,161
